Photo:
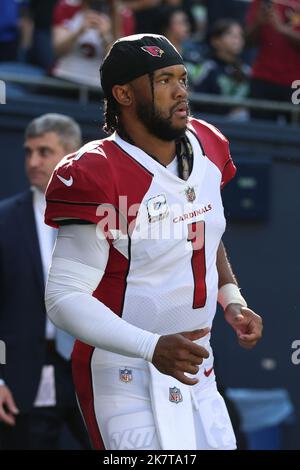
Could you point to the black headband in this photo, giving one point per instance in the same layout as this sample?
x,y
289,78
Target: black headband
x,y
133,56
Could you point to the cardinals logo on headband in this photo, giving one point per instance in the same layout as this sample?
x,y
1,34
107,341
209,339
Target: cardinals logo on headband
x,y
153,50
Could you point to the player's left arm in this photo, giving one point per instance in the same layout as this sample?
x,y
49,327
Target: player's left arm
x,y
246,323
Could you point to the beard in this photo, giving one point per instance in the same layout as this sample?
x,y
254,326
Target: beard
x,y
158,125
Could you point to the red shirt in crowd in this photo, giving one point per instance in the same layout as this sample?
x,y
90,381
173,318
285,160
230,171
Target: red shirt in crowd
x,y
278,59
66,9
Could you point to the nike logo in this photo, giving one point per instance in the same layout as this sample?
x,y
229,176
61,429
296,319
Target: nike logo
x,y
208,372
68,182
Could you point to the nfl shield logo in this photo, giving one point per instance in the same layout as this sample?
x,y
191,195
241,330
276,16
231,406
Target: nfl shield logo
x,y
190,194
125,375
175,395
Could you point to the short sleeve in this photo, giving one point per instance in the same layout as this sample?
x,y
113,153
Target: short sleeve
x,y
229,171
81,187
216,147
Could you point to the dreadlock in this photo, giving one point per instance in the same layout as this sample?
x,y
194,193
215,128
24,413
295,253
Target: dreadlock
x,y
111,115
151,78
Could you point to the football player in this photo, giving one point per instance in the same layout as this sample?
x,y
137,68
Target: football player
x,y
139,264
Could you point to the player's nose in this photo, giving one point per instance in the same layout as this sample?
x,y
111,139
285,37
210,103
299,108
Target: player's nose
x,y
181,91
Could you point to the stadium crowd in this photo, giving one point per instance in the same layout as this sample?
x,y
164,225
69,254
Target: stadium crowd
x,y
235,48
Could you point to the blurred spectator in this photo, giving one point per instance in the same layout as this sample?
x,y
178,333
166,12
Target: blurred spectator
x,y
274,27
235,9
14,28
199,12
187,6
146,15
224,74
141,16
175,25
41,52
82,33
123,18
128,22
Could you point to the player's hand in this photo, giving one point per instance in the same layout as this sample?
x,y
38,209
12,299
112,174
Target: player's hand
x,y
177,354
247,324
8,408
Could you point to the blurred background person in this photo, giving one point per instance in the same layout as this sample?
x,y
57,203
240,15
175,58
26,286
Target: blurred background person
x,y
15,29
235,9
187,6
174,23
175,26
41,51
82,33
224,73
36,389
145,14
274,28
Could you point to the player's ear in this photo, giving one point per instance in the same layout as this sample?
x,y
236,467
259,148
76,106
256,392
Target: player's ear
x,y
123,94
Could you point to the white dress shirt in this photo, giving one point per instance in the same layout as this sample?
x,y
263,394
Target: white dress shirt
x,y
46,236
46,395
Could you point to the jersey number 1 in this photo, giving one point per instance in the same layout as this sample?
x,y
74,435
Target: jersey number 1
x,y
196,235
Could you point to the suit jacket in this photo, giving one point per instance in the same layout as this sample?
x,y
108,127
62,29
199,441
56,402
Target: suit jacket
x,y
22,308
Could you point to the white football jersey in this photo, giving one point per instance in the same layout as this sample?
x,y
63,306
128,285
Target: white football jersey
x,y
161,276
164,232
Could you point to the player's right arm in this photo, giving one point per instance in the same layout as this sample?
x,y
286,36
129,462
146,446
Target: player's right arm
x,y
80,187
78,265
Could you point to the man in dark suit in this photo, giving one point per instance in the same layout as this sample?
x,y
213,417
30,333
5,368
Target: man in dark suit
x,y
36,388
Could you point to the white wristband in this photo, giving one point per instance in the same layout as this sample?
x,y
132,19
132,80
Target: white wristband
x,y
2,382
230,294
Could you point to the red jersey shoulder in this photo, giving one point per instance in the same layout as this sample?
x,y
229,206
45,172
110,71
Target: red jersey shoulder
x,y
81,183
84,176
215,146
97,175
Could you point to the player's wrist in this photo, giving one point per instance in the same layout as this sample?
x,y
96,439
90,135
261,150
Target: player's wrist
x,y
148,345
230,294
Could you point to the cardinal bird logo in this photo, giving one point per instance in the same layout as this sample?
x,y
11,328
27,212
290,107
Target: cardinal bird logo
x,y
153,50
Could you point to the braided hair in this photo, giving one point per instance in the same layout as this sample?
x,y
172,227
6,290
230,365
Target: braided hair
x,y
111,115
